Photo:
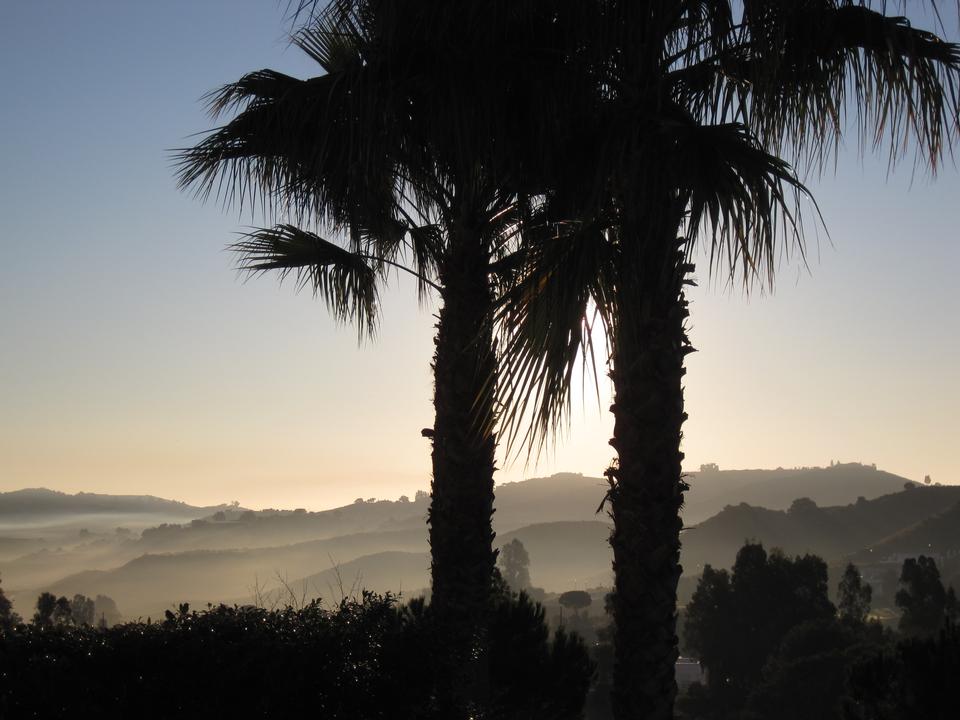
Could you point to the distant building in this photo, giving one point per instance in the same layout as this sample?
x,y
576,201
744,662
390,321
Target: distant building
x,y
709,467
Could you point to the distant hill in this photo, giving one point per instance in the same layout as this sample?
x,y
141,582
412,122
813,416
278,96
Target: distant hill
x,y
15,547
564,496
839,484
397,572
562,555
561,497
48,564
268,528
922,519
831,532
207,554
935,535
566,555
31,502
151,582
568,496
558,498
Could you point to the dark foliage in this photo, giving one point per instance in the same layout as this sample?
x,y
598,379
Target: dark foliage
x,y
853,596
576,599
82,610
369,658
46,607
916,680
62,612
737,620
806,678
530,676
766,662
774,647
8,618
922,599
514,564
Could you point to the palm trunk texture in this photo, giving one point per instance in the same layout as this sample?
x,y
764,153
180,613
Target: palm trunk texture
x,y
461,509
646,483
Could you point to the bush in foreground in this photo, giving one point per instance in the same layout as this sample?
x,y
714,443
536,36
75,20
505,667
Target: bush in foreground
x,y
365,658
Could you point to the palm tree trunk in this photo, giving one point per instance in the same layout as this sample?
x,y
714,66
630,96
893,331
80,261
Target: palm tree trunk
x,y
461,509
646,484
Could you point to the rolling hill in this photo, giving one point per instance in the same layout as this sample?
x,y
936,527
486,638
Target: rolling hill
x,y
568,496
838,484
560,497
833,533
170,526
566,555
563,555
402,573
39,502
224,552
150,583
938,534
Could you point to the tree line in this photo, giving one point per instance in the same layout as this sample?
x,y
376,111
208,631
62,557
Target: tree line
x,y
774,646
364,658
52,611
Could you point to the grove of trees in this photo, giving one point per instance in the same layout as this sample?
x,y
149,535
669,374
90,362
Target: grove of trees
x,y
925,605
775,648
737,620
81,611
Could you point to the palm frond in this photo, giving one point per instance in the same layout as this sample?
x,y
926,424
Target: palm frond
x,y
811,63
545,327
322,149
740,199
335,37
344,280
425,250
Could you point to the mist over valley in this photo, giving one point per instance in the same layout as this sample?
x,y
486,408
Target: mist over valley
x,y
149,554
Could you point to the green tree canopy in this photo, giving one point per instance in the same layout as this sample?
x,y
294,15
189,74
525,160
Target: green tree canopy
x,y
514,562
82,610
46,605
806,677
917,679
853,596
8,618
737,620
922,599
576,599
62,612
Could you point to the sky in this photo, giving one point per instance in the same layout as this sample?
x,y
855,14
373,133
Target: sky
x,y
134,359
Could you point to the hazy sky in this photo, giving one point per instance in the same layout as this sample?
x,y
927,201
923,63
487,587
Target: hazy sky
x,y
134,360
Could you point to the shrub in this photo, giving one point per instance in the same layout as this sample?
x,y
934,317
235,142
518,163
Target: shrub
x,y
365,658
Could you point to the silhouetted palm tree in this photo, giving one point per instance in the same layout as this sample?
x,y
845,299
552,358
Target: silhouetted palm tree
x,y
697,114
393,148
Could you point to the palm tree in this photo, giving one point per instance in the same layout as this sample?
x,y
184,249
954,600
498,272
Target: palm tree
x,y
698,115
391,147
